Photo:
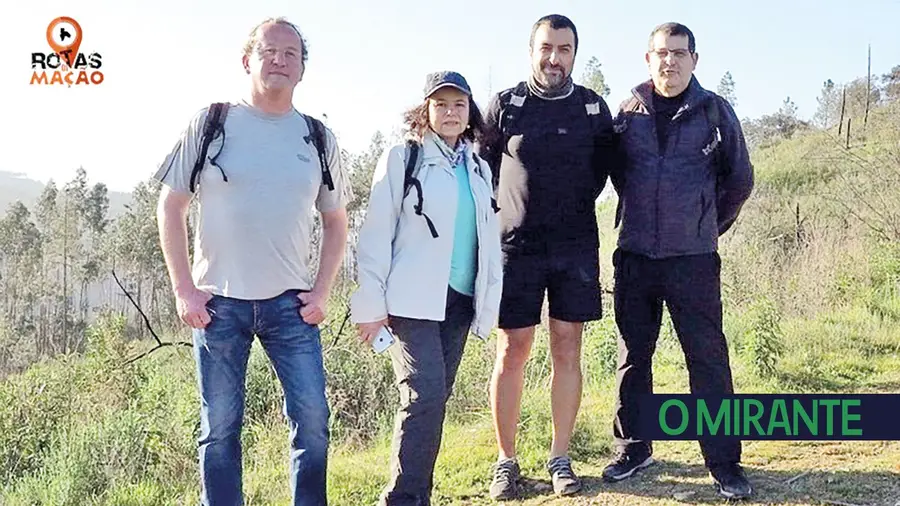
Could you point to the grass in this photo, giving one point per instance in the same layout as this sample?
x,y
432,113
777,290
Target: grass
x,y
135,446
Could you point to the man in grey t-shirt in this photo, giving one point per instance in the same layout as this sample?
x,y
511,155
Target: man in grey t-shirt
x,y
259,185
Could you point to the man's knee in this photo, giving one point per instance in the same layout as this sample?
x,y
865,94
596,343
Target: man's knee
x,y
308,409
221,420
565,345
309,423
423,394
514,347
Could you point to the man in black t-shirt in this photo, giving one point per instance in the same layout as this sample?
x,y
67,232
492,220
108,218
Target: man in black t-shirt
x,y
548,142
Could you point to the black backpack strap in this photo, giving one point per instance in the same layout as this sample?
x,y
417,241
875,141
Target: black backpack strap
x,y
591,101
712,112
620,123
212,127
317,138
511,103
411,180
412,164
477,159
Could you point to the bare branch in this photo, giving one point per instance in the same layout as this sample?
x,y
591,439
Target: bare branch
x,y
159,342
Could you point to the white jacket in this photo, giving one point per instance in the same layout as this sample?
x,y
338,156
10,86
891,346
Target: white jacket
x,y
402,269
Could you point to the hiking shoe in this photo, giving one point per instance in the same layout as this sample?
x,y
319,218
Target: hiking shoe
x,y
626,463
506,480
564,480
731,481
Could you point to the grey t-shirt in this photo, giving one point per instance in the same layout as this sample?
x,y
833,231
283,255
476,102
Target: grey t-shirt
x,y
252,233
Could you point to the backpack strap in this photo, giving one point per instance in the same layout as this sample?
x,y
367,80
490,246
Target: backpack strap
x,y
511,103
212,127
711,108
317,138
591,101
629,108
411,180
480,172
620,125
413,164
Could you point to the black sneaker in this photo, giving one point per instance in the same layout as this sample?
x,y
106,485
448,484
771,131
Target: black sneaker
x,y
506,480
731,481
626,463
564,480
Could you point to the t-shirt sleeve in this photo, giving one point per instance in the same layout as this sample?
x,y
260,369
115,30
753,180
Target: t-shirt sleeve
x,y
175,170
329,200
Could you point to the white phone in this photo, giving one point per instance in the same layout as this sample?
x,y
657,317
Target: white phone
x,y
383,340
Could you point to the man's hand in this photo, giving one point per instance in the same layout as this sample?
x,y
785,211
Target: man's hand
x,y
191,305
368,331
312,308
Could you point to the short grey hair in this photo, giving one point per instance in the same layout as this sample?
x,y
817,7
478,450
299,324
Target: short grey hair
x,y
253,39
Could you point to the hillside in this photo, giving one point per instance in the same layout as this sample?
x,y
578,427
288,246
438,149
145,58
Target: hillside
x,y
16,186
811,286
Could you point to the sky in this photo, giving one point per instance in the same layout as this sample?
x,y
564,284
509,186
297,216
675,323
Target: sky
x,y
164,60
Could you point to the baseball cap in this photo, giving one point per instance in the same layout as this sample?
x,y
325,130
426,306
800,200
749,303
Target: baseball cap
x,y
438,80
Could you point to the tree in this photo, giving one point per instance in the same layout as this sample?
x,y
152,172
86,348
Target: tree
x,y
94,210
828,112
361,169
138,259
726,89
20,254
773,127
593,78
891,83
856,98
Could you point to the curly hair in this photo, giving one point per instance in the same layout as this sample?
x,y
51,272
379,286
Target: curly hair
x,y
416,121
253,38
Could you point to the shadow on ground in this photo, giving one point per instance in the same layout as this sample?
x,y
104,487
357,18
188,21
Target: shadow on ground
x,y
677,482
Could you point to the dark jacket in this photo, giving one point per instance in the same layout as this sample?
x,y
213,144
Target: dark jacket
x,y
551,159
677,199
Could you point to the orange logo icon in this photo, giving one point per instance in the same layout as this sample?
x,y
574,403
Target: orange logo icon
x,y
64,36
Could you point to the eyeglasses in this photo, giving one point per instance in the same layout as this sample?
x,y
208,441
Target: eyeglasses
x,y
679,54
290,54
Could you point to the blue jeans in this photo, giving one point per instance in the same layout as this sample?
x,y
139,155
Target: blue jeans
x,y
221,351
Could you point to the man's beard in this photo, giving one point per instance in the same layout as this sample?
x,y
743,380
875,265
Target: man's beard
x,y
552,80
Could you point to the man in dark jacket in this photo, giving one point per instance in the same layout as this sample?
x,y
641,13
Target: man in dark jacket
x,y
549,143
683,176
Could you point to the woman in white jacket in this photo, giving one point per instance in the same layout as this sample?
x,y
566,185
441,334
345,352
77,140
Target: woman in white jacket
x,y
429,270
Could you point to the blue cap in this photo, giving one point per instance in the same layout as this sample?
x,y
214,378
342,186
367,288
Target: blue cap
x,y
438,80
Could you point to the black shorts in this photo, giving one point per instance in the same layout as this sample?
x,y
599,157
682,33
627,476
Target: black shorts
x,y
571,282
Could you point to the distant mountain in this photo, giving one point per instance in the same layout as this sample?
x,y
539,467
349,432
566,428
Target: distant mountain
x,y
15,186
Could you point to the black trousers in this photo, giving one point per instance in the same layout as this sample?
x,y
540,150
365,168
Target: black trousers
x,y
425,358
690,287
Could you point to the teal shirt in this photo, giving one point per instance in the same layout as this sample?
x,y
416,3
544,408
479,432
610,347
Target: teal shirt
x,y
464,261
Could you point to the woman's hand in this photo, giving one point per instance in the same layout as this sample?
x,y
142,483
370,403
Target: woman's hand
x,y
367,331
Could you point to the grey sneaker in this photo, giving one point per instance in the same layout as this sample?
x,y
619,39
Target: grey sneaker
x,y
626,463
506,480
564,480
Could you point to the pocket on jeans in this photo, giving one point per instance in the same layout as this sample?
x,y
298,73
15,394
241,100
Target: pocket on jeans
x,y
211,304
